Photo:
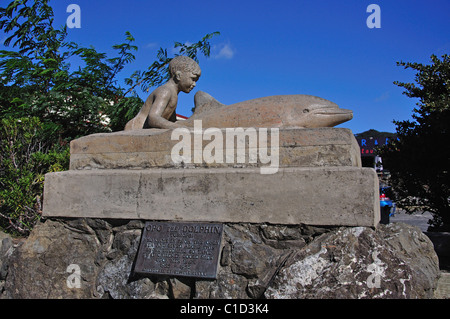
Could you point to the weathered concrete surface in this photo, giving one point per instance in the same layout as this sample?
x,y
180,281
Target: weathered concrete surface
x,y
335,196
152,148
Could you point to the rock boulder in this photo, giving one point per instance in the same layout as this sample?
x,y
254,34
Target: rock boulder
x,y
94,258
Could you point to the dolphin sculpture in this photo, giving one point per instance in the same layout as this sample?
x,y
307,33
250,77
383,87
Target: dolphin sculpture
x,y
304,111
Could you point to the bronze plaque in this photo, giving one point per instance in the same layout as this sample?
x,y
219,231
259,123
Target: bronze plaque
x,y
179,249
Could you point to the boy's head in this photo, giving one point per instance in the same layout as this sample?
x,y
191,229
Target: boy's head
x,y
185,72
183,64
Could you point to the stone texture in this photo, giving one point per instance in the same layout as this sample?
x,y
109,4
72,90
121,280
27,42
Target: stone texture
x,y
337,196
395,261
6,249
152,148
441,242
304,111
297,110
307,262
443,287
37,268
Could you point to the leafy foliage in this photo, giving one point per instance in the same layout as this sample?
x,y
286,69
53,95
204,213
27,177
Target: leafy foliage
x,y
419,160
45,101
38,75
38,80
23,162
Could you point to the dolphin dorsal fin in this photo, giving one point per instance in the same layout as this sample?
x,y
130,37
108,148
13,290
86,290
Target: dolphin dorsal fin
x,y
204,102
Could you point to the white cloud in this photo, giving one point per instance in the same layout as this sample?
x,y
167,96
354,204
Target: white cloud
x,y
383,97
223,51
151,45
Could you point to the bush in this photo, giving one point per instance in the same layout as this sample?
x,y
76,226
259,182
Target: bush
x,y
24,160
419,159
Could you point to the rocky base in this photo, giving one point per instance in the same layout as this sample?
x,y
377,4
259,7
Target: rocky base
x,y
256,261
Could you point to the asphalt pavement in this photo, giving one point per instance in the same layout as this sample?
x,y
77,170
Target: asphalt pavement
x,y
419,219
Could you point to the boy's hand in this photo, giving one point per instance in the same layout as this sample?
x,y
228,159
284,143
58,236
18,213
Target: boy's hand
x,y
173,125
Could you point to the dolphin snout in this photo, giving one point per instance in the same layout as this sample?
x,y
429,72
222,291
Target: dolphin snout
x,y
332,110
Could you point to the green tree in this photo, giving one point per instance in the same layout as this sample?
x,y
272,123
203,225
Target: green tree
x,y
37,79
45,101
23,163
419,160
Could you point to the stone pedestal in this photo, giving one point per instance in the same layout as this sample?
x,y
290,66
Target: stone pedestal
x,y
130,175
320,208
151,148
346,196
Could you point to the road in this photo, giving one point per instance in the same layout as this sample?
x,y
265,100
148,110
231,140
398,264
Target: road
x,y
417,219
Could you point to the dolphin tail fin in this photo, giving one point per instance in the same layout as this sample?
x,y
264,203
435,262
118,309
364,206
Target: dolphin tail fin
x,y
204,102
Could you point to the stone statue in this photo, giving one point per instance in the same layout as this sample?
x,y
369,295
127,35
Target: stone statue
x,y
302,111
159,110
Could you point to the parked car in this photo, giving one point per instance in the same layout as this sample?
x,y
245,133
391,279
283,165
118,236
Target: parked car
x,y
387,206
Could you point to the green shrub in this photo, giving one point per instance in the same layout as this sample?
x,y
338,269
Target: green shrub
x,y
24,160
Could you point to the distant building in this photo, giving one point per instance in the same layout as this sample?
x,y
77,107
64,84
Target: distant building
x,y
368,142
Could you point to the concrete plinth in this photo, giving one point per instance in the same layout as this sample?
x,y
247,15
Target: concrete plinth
x,y
151,148
333,196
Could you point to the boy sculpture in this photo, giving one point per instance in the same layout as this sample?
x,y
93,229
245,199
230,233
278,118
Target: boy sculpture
x,y
159,110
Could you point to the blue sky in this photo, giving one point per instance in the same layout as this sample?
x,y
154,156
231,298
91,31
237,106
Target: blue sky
x,y
322,48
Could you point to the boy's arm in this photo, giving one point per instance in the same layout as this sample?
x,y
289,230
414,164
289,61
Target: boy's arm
x,y
155,118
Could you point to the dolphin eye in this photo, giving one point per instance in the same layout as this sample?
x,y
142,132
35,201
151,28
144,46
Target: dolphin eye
x,y
306,111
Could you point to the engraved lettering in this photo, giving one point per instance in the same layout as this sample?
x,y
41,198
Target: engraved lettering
x,y
183,249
